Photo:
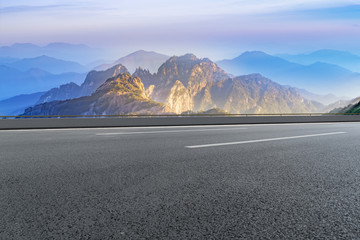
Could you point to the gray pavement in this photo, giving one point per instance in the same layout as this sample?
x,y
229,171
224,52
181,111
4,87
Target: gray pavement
x,y
287,181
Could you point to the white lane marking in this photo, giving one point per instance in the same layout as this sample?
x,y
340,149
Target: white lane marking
x,y
170,127
173,131
262,140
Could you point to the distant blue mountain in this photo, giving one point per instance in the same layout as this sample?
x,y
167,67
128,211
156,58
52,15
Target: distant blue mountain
x,y
72,52
321,78
16,105
255,61
8,60
14,82
144,59
49,64
323,99
341,58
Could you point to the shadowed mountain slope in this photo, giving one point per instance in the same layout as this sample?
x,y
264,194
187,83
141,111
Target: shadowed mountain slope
x,y
93,80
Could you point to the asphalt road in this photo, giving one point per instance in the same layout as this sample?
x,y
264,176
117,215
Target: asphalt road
x,y
287,181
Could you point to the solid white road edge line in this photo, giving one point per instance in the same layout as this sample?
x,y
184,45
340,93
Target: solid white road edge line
x,y
172,131
262,140
170,127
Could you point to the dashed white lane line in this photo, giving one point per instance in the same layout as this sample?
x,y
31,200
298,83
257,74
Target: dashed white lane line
x,y
263,140
172,131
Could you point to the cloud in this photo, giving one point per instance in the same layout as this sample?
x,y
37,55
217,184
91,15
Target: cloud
x,y
24,8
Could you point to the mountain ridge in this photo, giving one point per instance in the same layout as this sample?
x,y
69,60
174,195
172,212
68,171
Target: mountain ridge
x,y
318,77
341,58
16,105
14,82
71,52
149,60
49,64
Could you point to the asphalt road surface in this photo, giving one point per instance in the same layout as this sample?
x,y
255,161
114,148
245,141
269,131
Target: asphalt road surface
x,y
287,181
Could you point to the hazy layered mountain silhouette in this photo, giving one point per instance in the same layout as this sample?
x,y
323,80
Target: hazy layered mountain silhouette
x,y
14,82
16,105
122,94
8,60
49,64
72,52
340,58
323,99
318,77
145,59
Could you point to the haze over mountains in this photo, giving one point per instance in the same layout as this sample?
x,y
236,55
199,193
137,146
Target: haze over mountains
x,y
185,83
16,105
341,58
29,75
144,59
323,99
14,82
318,77
70,52
49,64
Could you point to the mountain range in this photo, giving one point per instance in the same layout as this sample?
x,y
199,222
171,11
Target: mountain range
x,y
341,58
326,99
71,52
181,84
49,64
16,105
14,82
322,78
186,83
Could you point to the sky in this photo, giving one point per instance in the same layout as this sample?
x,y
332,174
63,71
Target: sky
x,y
208,28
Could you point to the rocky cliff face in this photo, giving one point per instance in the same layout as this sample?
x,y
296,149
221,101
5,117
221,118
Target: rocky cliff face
x,y
179,99
122,94
195,75
190,84
95,79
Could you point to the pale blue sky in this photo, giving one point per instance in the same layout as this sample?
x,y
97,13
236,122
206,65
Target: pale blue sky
x,y
216,29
